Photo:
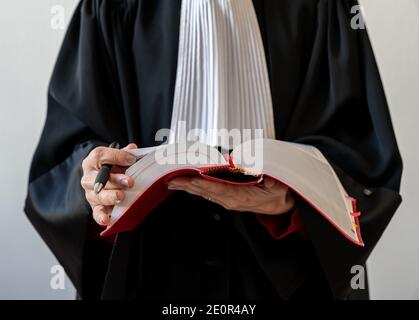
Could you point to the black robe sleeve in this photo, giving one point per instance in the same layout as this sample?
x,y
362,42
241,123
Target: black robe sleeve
x,y
341,109
83,104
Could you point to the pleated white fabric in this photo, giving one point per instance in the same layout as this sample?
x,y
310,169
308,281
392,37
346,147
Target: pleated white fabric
x,y
222,79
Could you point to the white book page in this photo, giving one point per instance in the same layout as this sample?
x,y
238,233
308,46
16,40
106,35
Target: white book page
x,y
316,153
306,170
151,167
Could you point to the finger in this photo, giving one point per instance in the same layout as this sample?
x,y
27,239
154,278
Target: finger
x,y
211,186
269,183
116,181
100,215
122,169
130,146
121,180
207,186
231,197
207,196
272,185
105,197
223,200
103,155
276,206
182,184
185,184
289,200
274,202
179,181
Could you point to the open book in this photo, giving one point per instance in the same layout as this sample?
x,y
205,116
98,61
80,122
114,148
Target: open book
x,y
301,167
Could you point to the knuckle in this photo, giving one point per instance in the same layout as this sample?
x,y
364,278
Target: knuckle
x,y
84,182
99,197
104,197
115,157
97,153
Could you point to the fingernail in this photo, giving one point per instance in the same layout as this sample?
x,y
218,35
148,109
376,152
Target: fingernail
x,y
124,182
131,159
102,220
117,200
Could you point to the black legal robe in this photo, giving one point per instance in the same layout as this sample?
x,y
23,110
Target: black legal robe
x,y
114,80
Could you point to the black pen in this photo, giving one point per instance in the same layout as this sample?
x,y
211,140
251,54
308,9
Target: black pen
x,y
104,172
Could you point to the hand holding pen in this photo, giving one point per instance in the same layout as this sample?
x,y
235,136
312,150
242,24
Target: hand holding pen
x,y
104,172
104,180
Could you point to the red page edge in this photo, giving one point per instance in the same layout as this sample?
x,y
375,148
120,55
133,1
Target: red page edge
x,y
201,172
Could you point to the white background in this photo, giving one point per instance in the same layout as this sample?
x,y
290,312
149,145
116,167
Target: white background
x,y
28,47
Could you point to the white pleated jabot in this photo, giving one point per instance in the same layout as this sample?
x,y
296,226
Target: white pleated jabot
x,y
222,79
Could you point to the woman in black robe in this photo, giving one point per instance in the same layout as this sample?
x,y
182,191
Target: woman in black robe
x,y
114,81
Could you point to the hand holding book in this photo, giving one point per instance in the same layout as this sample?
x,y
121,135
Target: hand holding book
x,y
103,202
270,197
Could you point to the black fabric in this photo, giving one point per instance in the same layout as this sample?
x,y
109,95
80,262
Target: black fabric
x,y
114,81
198,253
